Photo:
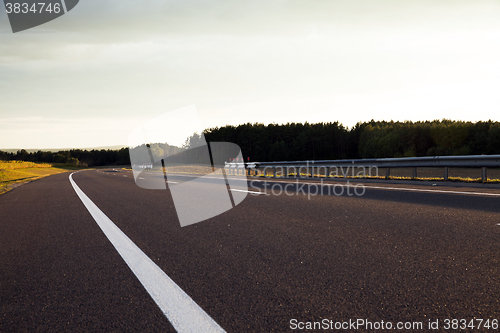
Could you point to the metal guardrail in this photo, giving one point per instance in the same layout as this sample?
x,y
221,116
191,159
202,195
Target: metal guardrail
x,y
446,162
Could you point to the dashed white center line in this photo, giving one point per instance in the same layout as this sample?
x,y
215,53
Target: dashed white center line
x,y
252,192
180,309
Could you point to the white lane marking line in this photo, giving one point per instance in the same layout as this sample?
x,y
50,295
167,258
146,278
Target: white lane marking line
x,y
386,188
242,178
366,186
435,191
168,181
180,309
253,192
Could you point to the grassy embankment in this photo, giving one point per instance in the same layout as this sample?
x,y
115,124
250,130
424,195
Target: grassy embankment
x,y
467,175
15,173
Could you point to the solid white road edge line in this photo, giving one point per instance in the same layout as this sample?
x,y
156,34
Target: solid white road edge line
x,y
180,309
384,187
433,191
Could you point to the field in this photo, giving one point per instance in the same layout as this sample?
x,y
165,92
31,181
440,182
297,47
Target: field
x,y
16,173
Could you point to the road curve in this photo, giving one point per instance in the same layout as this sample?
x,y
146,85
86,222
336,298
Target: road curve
x,y
391,255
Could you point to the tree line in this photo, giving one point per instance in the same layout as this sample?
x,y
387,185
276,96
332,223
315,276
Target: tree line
x,y
374,139
77,157
320,141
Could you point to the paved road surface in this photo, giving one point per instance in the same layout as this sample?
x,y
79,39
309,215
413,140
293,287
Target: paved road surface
x,y
392,255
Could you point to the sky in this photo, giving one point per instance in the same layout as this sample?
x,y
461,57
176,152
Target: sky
x,y
90,77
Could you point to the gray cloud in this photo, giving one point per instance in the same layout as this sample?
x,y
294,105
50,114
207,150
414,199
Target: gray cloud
x,y
123,58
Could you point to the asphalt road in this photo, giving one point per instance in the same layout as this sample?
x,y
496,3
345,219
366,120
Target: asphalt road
x,y
391,254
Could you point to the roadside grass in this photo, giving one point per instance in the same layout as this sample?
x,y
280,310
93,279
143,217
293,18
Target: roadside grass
x,y
16,173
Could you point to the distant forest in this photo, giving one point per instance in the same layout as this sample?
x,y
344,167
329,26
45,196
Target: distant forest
x,y
374,139
73,156
296,141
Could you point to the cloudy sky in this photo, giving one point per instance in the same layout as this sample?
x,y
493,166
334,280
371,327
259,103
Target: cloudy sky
x,y
90,77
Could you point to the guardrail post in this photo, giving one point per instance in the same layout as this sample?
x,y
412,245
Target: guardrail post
x,y
445,174
327,172
414,174
387,173
286,172
274,172
484,175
